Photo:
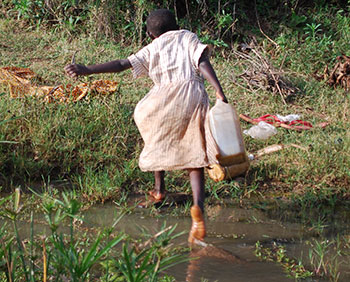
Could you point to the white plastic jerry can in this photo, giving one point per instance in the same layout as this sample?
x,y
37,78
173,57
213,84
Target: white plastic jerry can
x,y
227,133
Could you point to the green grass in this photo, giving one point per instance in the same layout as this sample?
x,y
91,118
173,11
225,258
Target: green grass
x,y
95,144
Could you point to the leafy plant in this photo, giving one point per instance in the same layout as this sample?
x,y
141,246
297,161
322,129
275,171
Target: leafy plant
x,y
78,261
324,256
68,256
12,214
8,256
311,30
145,262
277,253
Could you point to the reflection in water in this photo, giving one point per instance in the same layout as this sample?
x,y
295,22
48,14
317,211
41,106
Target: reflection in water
x,y
214,264
199,253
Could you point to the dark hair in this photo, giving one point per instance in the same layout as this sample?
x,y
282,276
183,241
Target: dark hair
x,y
161,21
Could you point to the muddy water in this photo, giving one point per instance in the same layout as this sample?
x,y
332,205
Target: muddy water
x,y
232,234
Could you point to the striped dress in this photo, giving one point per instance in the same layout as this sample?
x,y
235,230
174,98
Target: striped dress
x,y
173,117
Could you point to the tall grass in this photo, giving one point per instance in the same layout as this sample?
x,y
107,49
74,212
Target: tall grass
x,y
76,256
67,139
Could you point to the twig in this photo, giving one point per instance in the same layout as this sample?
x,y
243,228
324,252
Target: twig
x,y
244,88
257,18
279,88
284,58
296,4
262,66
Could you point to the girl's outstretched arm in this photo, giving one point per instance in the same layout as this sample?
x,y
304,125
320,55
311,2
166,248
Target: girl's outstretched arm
x,y
208,72
75,70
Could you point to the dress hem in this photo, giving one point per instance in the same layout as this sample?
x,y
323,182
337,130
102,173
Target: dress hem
x,y
171,168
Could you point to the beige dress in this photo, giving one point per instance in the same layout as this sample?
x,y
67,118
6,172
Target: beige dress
x,y
172,118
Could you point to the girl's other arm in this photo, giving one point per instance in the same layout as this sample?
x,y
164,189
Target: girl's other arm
x,y
208,72
75,70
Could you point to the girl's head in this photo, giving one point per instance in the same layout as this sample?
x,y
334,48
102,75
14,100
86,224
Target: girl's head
x,y
159,22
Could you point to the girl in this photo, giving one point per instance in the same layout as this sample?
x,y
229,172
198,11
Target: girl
x,y
172,118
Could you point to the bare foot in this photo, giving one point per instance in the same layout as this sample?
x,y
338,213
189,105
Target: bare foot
x,y
198,231
156,195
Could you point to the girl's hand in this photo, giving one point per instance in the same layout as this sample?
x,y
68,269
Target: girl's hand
x,y
221,96
74,70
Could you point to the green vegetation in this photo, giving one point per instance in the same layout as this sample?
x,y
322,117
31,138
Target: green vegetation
x,y
93,145
277,253
324,258
78,256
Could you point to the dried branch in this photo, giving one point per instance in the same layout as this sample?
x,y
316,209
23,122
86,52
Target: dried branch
x,y
261,75
340,74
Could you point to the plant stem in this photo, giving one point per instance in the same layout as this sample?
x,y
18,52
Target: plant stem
x,y
31,246
21,251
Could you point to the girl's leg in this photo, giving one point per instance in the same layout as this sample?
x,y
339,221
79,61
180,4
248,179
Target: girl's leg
x,y
159,186
197,184
197,210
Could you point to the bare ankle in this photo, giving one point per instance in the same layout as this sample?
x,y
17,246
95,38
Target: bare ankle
x,y
159,186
